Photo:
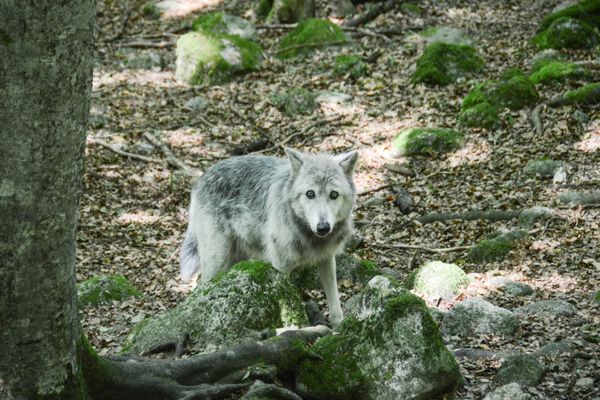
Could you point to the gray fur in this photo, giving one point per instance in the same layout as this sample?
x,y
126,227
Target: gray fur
x,y
253,207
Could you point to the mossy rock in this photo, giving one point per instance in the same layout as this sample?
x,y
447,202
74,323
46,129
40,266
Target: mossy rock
x,y
477,317
587,94
482,115
309,35
557,71
224,24
542,167
436,279
296,102
234,306
544,57
567,33
523,369
349,64
446,34
427,141
105,288
411,9
585,10
513,90
495,248
443,63
286,11
387,348
216,58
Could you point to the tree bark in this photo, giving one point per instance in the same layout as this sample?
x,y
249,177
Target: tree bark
x,y
45,79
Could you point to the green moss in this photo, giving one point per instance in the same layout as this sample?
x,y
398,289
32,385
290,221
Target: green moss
x,y
442,63
264,8
212,22
567,33
585,10
482,115
105,288
513,90
495,248
150,9
543,167
587,94
258,270
366,270
427,141
310,34
349,64
557,71
597,297
295,102
411,9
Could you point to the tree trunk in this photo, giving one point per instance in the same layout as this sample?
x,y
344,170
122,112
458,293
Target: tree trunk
x,y
45,79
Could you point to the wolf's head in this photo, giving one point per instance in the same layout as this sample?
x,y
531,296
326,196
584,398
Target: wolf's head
x,y
322,189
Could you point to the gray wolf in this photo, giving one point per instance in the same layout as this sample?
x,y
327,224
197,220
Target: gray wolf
x,y
288,212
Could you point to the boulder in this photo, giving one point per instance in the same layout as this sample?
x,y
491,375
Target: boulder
x,y
105,288
234,306
309,35
443,63
545,72
427,141
349,64
388,347
286,11
225,24
512,90
523,369
512,391
542,167
494,248
548,308
436,280
476,316
482,115
567,33
212,59
587,11
587,94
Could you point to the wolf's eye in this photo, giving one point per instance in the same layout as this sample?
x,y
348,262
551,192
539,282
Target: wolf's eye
x,y
310,194
333,195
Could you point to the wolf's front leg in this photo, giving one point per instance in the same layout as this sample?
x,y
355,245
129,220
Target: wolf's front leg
x,y
329,281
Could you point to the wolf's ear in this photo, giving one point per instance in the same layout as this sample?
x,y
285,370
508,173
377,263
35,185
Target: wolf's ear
x,y
347,161
296,159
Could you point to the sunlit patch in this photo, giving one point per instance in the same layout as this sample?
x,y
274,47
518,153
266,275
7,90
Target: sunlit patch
x,y
181,8
555,283
544,245
164,79
472,153
377,156
138,218
591,140
185,137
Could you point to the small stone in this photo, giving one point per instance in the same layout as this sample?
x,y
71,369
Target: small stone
x,y
548,308
403,200
142,148
512,391
555,349
530,216
584,385
523,369
580,117
542,167
437,280
198,103
518,289
476,316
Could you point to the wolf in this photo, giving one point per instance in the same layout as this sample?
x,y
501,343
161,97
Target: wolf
x,y
288,212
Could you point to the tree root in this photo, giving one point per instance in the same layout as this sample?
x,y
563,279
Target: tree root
x,y
580,198
171,159
126,154
203,376
494,215
267,391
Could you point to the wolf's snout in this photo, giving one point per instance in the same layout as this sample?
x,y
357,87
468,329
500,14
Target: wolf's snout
x,y
323,228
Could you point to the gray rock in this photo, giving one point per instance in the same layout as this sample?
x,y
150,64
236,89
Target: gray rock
x,y
142,148
226,24
437,280
512,391
584,385
523,369
555,349
268,391
145,59
548,308
476,316
518,289
198,103
529,216
544,168
388,347
234,306
290,11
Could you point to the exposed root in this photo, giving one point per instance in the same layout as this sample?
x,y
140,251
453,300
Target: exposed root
x,y
126,154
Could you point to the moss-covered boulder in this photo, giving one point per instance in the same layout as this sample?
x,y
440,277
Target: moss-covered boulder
x,y
446,34
427,141
542,167
587,94
309,35
513,90
224,24
411,9
556,71
475,317
482,115
512,391
443,63
584,10
567,33
523,369
213,59
105,288
296,102
494,248
349,64
235,305
436,279
286,11
388,347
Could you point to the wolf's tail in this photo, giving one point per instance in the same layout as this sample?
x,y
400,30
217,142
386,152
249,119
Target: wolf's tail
x,y
188,256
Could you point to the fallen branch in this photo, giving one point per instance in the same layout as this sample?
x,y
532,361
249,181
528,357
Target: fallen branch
x,y
120,152
171,159
367,32
203,376
146,45
314,44
580,198
494,215
403,246
372,13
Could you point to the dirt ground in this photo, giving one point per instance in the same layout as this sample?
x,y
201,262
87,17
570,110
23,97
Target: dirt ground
x,y
133,212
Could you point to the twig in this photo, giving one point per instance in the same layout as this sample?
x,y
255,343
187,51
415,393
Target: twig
x,y
427,249
171,159
372,13
494,215
367,32
315,44
377,189
122,27
145,45
125,153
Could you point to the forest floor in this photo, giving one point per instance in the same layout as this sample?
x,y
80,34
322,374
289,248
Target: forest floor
x,y
134,213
